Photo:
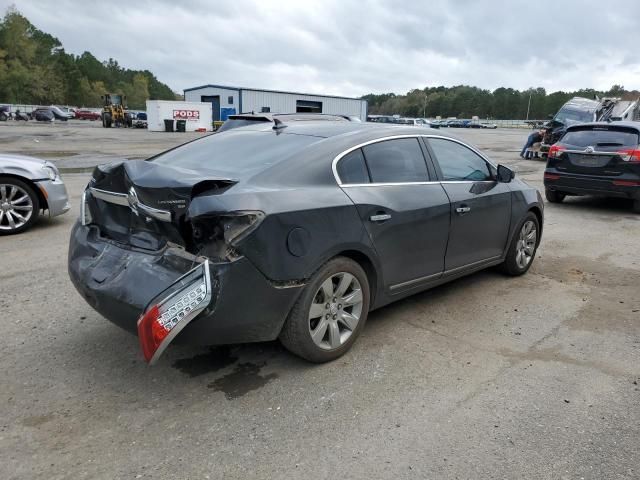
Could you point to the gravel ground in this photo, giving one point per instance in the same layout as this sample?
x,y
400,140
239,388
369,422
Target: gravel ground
x,y
488,377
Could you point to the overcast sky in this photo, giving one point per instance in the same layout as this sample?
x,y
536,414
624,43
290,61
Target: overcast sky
x,y
354,47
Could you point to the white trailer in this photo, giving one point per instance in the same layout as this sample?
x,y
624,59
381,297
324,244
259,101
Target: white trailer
x,y
196,114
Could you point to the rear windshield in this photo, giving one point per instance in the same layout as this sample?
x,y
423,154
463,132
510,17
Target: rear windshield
x,y
601,137
236,152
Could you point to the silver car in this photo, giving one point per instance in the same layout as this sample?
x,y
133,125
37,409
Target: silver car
x,y
29,187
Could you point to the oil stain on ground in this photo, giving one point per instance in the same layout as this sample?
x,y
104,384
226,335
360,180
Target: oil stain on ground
x,y
212,361
244,379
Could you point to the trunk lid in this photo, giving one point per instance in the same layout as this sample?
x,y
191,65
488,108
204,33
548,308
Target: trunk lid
x,y
144,204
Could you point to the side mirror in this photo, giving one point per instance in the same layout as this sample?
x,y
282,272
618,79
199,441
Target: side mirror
x,y
505,174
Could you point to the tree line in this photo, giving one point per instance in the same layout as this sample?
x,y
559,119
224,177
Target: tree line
x,y
465,102
35,69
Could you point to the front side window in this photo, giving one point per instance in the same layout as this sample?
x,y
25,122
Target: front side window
x,y
396,161
458,162
352,169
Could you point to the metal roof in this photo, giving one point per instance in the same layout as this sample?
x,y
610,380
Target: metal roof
x,y
238,89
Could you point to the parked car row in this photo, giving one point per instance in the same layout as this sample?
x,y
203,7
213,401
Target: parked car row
x,y
445,123
454,123
52,113
396,119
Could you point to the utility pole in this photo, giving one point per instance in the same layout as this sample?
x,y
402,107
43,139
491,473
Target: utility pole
x,y
424,108
529,106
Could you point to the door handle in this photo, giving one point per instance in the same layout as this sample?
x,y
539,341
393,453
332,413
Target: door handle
x,y
463,210
380,217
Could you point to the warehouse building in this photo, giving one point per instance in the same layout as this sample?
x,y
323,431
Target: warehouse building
x,y
231,100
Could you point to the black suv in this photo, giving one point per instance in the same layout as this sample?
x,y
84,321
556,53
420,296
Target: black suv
x,y
595,159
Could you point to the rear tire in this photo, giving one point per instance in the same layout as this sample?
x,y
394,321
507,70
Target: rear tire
x,y
106,120
523,247
554,196
330,312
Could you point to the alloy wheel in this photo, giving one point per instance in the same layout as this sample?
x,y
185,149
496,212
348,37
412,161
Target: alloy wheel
x,y
16,207
526,244
335,310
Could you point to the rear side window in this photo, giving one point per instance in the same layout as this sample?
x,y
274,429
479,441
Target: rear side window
x,y
352,169
458,162
601,137
396,161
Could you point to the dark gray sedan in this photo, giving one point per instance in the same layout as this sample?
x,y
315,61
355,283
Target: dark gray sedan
x,y
293,230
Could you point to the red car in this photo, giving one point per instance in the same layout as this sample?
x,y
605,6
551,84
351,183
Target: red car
x,y
87,115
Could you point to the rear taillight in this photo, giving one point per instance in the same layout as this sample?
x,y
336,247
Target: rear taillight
x,y
237,226
555,151
172,310
218,236
629,155
551,176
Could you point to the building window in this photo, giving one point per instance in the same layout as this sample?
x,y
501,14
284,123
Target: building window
x,y
230,100
265,110
306,106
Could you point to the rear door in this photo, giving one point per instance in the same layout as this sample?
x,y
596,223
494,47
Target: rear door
x,y
480,206
597,150
404,209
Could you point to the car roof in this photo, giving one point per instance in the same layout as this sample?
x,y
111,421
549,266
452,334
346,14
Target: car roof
x,y
328,129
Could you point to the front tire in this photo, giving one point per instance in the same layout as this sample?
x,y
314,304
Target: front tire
x,y
330,312
523,247
19,206
553,196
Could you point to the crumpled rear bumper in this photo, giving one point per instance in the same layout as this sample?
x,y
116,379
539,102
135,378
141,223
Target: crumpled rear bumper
x,y
119,282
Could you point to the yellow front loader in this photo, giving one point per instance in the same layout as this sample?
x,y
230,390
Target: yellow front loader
x,y
113,111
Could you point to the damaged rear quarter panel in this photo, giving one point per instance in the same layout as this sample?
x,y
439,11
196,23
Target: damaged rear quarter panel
x,y
324,212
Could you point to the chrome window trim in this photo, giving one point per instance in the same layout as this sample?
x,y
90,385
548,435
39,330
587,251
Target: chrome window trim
x,y
337,158
390,184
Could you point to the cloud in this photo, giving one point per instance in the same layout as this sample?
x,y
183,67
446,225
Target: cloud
x,y
353,47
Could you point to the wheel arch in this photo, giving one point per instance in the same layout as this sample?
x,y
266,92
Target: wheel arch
x,y
42,200
369,268
538,213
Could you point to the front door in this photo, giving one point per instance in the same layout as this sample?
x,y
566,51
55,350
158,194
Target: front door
x,y
480,206
405,214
